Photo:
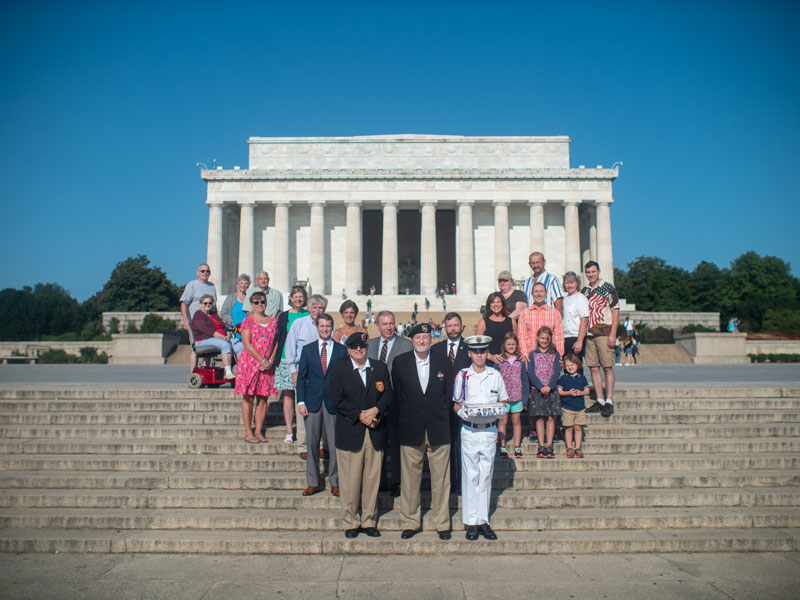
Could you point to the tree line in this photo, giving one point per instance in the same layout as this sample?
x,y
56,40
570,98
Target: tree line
x,y
760,290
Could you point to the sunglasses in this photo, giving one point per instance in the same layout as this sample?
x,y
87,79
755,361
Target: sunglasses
x,y
204,271
358,347
257,302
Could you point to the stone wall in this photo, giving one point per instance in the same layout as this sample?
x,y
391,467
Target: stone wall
x,y
773,346
715,348
138,317
672,320
34,349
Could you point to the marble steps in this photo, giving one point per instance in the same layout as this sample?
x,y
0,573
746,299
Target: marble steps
x,y
263,465
36,498
512,543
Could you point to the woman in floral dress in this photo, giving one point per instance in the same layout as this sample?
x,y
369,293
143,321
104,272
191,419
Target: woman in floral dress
x,y
255,375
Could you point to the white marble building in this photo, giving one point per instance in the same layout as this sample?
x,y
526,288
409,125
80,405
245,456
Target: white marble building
x,y
400,211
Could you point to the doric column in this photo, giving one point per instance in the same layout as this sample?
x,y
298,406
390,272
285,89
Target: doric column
x,y
428,279
214,253
389,262
605,256
279,276
246,242
501,255
316,255
465,283
537,226
572,237
352,274
592,216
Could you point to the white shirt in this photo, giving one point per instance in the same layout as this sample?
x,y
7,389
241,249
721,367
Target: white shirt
x,y
457,343
389,343
361,370
482,389
423,369
328,350
575,306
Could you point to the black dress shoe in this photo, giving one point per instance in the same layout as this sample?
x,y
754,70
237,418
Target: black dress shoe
x,y
608,410
409,533
472,532
594,408
444,535
396,490
487,532
371,531
351,533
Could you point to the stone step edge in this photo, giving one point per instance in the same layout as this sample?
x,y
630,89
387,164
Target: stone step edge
x,y
426,543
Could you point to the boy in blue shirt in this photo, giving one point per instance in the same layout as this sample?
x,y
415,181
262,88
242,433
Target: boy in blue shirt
x,y
573,389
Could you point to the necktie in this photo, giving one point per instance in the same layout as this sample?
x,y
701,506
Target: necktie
x,y
323,357
383,351
452,354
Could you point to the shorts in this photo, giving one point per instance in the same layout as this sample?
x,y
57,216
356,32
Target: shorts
x,y
514,407
598,354
572,417
569,342
283,379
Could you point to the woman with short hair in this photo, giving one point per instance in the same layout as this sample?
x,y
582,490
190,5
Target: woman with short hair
x,y
209,331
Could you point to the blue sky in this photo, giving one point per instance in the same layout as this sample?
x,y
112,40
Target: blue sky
x,y
106,107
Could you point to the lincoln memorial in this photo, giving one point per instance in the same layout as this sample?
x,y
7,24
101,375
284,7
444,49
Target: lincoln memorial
x,y
406,212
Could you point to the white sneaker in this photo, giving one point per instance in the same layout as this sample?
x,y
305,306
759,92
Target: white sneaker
x,y
230,376
288,439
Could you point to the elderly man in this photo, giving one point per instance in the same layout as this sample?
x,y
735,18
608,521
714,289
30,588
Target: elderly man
x,y
314,401
190,301
274,297
361,389
454,353
601,337
386,348
302,332
554,297
422,406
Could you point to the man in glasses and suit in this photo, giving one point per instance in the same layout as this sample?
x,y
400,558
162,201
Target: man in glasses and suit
x,y
361,390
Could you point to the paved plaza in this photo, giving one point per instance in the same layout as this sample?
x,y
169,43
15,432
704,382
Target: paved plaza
x,y
739,576
174,376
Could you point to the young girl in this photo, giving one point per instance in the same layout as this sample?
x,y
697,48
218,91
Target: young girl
x,y
511,369
541,373
573,389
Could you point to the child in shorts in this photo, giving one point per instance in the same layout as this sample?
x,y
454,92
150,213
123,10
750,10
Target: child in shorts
x,y
511,370
573,389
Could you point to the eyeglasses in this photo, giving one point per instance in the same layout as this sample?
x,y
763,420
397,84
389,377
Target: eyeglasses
x,y
358,347
207,303
257,302
204,270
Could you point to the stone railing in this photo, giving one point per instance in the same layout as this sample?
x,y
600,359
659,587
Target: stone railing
x,y
672,320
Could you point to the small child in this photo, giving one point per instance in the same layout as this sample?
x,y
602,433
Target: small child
x,y
541,373
511,370
573,388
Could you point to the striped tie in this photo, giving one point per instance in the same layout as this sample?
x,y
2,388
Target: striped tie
x,y
323,357
383,351
452,354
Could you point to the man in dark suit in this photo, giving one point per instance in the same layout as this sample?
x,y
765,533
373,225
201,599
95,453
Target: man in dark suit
x,y
362,392
423,409
386,348
314,401
454,352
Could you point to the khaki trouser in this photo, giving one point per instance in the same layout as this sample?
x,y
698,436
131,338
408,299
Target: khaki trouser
x,y
411,458
359,479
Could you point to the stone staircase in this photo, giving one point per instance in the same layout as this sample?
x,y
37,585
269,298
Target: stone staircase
x,y
663,354
168,471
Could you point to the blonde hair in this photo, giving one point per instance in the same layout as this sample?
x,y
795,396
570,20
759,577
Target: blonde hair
x,y
510,336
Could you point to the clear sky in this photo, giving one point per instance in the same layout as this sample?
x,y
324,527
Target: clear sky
x,y
106,107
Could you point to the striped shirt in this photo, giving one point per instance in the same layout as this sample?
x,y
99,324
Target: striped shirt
x,y
551,285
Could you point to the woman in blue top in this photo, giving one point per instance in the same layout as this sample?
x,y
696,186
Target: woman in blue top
x,y
231,312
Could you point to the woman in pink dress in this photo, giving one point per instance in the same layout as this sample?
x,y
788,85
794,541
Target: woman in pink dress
x,y
255,375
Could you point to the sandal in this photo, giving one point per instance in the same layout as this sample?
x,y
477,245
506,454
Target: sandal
x,y
578,453
288,439
262,439
251,439
570,453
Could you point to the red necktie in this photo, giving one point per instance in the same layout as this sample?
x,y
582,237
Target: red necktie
x,y
383,351
323,357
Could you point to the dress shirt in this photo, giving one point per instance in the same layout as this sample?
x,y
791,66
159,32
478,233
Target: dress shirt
x,y
423,369
303,331
361,370
479,389
457,343
328,349
390,343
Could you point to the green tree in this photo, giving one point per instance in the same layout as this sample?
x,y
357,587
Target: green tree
x,y
46,309
136,286
653,285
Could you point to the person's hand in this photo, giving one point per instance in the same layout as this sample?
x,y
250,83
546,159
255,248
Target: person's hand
x,y
545,390
524,359
577,347
574,392
612,341
186,325
497,359
301,408
294,379
368,416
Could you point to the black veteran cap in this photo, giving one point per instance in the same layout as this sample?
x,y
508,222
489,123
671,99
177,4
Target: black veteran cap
x,y
475,342
356,339
419,328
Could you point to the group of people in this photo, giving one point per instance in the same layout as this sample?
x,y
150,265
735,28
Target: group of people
x,y
355,397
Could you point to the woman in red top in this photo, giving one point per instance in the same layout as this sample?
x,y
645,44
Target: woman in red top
x,y
208,330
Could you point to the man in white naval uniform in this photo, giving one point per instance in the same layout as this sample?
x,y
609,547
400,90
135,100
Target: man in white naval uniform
x,y
479,395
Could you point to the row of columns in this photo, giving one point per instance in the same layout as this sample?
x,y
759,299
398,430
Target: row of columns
x,y
599,242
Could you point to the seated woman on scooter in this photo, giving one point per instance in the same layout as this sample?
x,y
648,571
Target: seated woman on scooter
x,y
208,330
